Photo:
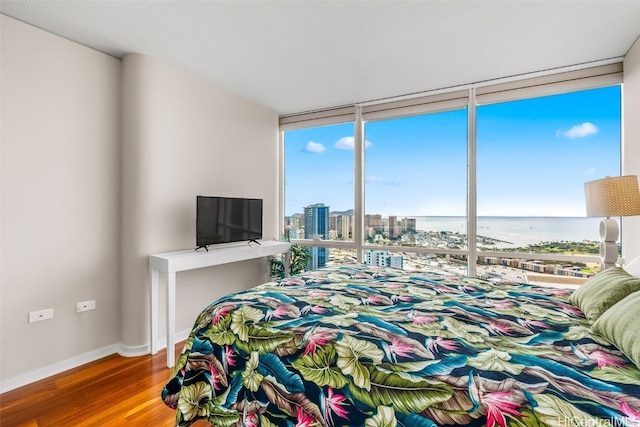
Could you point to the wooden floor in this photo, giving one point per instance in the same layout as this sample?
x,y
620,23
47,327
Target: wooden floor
x,y
114,391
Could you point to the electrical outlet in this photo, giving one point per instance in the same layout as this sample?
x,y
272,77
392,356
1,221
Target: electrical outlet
x,y
36,316
85,306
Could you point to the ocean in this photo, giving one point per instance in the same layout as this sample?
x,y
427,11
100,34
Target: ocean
x,y
519,231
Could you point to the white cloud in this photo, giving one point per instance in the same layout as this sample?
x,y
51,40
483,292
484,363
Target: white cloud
x,y
591,171
580,131
348,142
314,147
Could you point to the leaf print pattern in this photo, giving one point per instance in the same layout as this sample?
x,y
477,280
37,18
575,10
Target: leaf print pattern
x,y
356,345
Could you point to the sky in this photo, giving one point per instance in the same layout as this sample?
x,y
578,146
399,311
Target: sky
x,y
533,158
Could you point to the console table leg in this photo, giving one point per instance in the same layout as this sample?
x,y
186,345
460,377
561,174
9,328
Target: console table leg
x,y
171,319
153,294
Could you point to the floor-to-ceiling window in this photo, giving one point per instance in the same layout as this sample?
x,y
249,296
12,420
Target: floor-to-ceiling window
x,y
503,163
319,186
415,185
533,157
415,175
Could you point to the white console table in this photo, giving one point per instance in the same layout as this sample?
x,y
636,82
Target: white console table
x,y
173,262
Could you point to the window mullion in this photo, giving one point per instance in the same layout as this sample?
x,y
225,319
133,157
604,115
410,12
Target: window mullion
x,y
471,185
281,228
358,213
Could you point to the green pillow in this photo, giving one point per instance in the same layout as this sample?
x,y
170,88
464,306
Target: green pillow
x,y
620,325
603,290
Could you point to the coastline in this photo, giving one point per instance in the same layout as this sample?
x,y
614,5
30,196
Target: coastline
x,y
518,231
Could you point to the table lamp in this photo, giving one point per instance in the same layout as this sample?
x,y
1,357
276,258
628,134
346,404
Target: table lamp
x,y
611,197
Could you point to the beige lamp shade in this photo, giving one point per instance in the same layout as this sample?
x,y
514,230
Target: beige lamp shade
x,y
613,196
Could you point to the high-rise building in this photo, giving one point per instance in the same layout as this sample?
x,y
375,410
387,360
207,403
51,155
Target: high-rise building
x,y
408,224
336,223
374,221
393,226
316,226
346,226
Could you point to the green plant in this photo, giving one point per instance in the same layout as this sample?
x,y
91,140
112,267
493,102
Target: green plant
x,y
300,256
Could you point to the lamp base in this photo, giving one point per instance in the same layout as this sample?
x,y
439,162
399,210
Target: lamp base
x,y
609,233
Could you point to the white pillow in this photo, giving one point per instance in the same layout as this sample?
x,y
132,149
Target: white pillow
x,y
633,267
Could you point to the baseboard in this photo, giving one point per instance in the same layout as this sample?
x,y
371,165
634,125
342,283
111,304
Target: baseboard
x,y
74,362
56,368
135,351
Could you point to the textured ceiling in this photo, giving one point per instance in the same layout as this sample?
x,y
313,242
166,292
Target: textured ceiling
x,y
294,56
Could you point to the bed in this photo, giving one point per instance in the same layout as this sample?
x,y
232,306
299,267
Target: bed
x,y
356,345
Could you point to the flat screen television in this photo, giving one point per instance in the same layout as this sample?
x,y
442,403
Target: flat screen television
x,y
227,219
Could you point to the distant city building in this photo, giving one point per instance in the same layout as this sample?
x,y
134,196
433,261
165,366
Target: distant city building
x,y
296,221
572,271
374,224
382,259
316,226
347,226
392,224
537,266
294,226
408,224
370,232
334,224
372,257
395,261
293,233
374,221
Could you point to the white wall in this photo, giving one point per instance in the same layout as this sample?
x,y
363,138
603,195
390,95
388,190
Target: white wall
x,y
60,199
181,138
101,161
631,143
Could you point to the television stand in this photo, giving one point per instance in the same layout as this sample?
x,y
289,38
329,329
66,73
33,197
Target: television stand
x,y
173,262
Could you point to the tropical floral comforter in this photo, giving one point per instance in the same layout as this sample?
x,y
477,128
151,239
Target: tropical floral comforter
x,y
369,346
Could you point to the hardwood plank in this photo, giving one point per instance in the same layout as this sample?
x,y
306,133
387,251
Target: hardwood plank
x,y
114,390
